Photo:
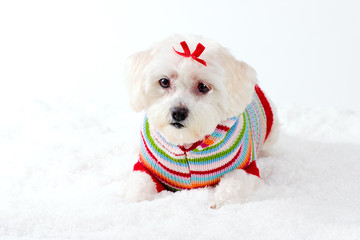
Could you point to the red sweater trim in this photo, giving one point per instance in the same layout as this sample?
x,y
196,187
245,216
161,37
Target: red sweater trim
x,y
253,169
139,167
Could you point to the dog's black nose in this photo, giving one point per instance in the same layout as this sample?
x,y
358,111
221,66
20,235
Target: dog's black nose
x,y
179,113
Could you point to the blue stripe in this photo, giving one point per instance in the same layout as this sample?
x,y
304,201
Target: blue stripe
x,y
193,159
153,149
217,149
207,178
159,169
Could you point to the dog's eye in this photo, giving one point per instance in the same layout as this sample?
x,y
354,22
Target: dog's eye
x,y
203,88
164,82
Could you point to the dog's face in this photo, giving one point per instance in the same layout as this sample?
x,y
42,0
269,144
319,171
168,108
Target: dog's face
x,y
184,99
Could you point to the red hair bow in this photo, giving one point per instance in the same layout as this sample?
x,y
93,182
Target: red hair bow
x,y
195,55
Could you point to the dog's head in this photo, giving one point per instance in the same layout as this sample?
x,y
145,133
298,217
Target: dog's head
x,y
186,97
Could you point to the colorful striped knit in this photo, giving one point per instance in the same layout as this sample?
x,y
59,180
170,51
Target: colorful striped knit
x,y
233,145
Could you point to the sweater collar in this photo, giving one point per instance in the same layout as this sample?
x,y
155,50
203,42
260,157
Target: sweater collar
x,y
218,135
209,140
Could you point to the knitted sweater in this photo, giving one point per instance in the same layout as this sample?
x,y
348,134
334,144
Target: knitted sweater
x,y
233,145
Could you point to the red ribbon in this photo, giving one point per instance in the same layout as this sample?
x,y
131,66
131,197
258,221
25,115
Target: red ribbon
x,y
195,55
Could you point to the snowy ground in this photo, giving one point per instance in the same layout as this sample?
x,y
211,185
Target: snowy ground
x,y
63,166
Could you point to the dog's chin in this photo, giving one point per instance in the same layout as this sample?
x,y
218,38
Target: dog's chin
x,y
179,134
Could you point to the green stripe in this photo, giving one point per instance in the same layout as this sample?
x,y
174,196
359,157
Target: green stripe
x,y
230,149
217,144
158,149
171,188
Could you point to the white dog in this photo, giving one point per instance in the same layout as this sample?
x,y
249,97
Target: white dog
x,y
206,119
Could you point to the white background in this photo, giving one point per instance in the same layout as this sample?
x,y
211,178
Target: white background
x,y
305,52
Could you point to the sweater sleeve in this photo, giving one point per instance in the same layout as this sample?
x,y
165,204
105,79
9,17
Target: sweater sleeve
x,y
253,169
140,167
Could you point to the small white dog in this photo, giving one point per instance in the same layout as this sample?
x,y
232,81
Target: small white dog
x,y
206,119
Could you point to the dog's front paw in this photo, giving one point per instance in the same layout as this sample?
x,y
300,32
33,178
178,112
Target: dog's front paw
x,y
139,187
235,187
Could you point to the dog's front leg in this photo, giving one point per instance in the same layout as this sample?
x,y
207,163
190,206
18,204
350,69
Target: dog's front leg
x,y
235,187
139,187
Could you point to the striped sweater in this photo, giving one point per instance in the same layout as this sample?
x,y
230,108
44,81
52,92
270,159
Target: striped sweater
x,y
233,145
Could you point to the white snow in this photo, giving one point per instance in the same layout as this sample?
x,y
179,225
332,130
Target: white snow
x,y
68,139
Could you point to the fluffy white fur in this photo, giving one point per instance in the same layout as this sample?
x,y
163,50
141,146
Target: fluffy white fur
x,y
140,187
235,187
232,85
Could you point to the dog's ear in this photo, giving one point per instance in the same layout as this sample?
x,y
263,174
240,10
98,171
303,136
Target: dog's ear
x,y
241,84
135,76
